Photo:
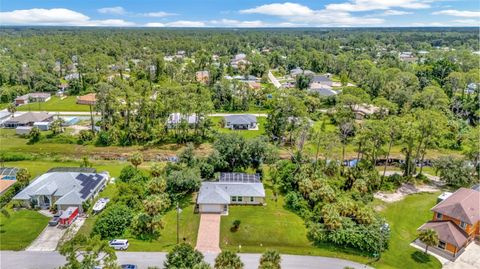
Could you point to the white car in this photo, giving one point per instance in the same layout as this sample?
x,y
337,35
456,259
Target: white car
x,y
119,244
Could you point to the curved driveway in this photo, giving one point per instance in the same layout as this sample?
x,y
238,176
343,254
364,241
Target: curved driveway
x,y
52,259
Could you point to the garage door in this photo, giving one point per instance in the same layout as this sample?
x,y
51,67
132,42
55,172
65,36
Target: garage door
x,y
211,208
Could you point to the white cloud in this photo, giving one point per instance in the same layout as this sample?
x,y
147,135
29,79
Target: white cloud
x,y
280,9
185,24
55,16
112,10
236,23
428,24
458,13
467,22
391,12
41,16
367,5
154,24
158,14
246,24
110,22
298,14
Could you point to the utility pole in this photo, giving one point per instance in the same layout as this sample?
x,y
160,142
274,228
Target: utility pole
x,y
178,221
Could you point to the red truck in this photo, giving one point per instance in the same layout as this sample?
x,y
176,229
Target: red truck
x,y
68,216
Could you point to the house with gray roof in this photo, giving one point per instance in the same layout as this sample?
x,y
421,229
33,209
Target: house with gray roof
x,y
230,189
241,122
28,119
63,189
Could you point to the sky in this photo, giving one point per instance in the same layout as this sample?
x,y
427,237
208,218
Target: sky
x,y
241,13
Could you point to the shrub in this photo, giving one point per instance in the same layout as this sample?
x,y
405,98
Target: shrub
x,y
15,156
113,221
236,225
183,256
128,172
85,136
270,260
12,191
228,259
34,135
183,182
296,203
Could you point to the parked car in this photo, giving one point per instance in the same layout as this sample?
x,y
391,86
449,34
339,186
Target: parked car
x,y
128,266
119,244
54,221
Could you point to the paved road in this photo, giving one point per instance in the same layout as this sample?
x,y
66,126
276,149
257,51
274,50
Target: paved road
x,y
85,113
50,259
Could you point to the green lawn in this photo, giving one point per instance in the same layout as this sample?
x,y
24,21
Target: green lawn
x,y
404,218
20,229
14,144
168,236
245,133
38,167
56,104
273,227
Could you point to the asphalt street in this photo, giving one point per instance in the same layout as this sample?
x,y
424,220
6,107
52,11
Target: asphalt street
x,y
52,259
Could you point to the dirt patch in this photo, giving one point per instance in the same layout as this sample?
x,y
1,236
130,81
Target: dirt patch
x,y
404,190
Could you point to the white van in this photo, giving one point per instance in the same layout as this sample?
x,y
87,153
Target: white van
x,y
119,244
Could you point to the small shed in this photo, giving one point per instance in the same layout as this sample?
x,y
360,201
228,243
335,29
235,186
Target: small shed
x,y
42,125
23,130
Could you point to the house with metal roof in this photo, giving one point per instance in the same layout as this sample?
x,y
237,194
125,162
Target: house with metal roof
x,y
230,189
32,97
456,220
241,122
27,119
62,189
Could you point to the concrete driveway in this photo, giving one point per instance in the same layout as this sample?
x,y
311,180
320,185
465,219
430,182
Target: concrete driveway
x,y
208,239
47,240
50,237
469,259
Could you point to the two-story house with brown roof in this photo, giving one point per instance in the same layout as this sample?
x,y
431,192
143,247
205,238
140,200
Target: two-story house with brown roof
x,y
456,220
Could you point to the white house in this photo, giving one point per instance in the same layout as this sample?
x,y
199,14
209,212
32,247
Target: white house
x,y
231,189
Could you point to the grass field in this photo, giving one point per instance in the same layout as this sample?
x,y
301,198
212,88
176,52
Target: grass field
x,y
274,227
12,143
56,104
19,229
244,133
404,218
38,167
188,229
188,225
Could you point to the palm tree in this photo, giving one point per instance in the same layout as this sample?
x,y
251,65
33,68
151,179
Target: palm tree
x,y
270,260
429,237
228,259
12,109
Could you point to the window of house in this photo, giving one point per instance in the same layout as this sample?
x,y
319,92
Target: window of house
x,y
234,198
439,216
441,244
463,225
240,198
252,199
